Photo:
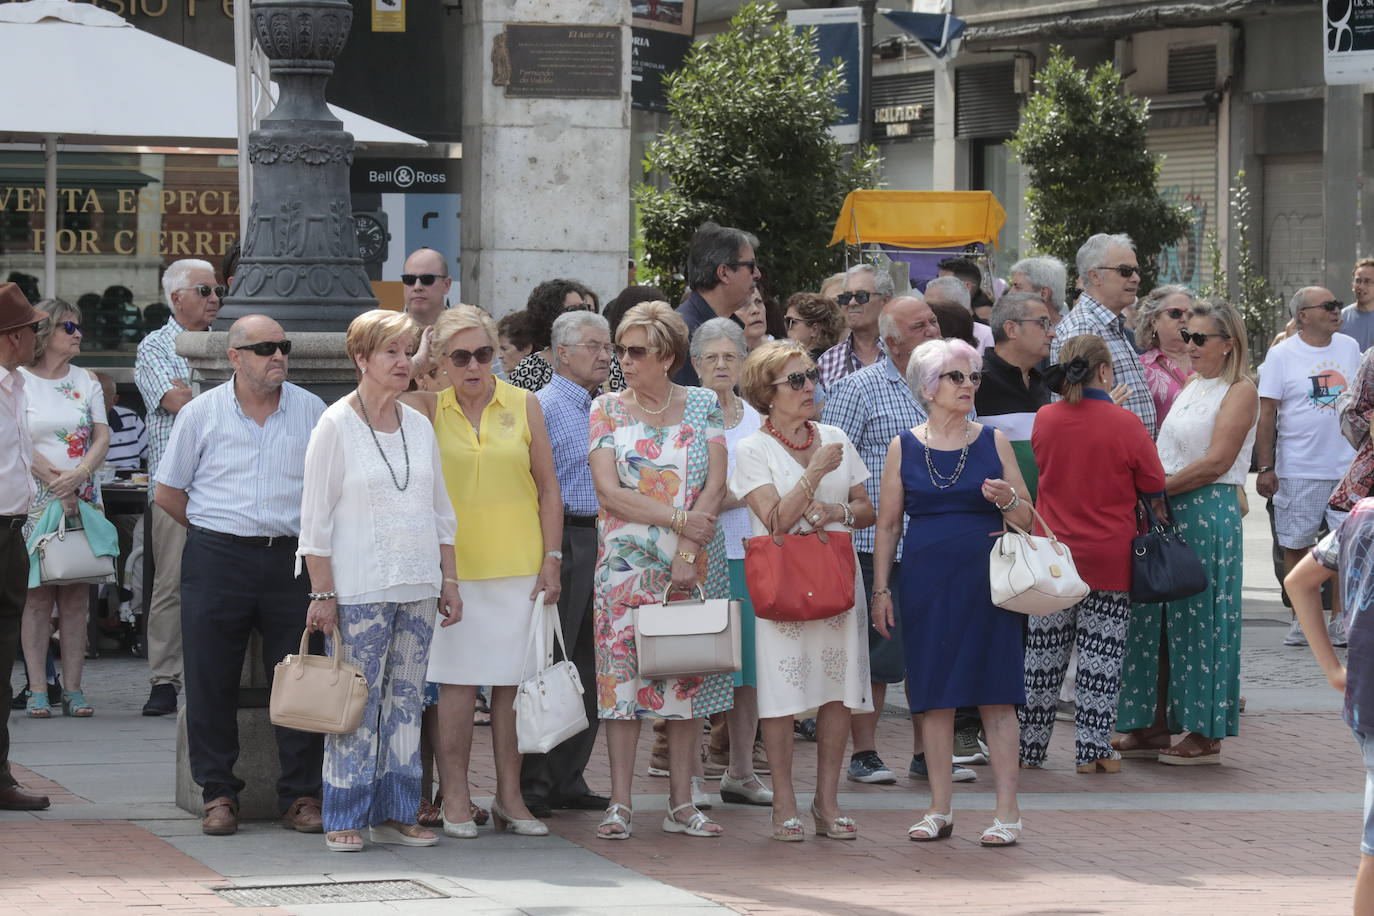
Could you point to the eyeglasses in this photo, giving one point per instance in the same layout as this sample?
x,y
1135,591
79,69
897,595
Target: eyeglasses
x,y
795,380
1125,270
860,296
594,348
1043,321
1362,281
71,327
711,359
791,322
483,355
1199,339
636,353
205,289
736,265
425,279
958,377
583,306
268,347
1335,305
1176,314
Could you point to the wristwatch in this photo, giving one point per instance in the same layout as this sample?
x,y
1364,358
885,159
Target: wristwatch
x,y
556,554
689,557
1267,467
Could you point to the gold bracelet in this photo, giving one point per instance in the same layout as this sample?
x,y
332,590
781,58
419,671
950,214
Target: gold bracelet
x,y
679,522
454,581
808,486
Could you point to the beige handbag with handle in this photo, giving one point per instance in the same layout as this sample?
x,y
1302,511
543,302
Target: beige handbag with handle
x,y
314,693
687,637
65,558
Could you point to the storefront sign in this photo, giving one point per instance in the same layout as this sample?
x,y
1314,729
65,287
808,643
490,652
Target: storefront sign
x,y
405,176
388,15
897,120
1349,38
558,61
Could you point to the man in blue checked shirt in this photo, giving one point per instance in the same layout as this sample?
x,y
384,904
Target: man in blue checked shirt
x,y
581,350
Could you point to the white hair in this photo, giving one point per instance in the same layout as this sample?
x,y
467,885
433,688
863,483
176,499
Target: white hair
x,y
887,325
718,329
1045,272
882,280
933,357
1095,249
568,327
1299,300
178,272
953,288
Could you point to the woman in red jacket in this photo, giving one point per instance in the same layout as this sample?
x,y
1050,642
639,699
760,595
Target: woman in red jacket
x,y
1094,457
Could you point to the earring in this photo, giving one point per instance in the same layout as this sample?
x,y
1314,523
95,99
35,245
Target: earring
x,y
364,370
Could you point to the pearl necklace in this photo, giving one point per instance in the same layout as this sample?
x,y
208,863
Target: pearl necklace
x,y
935,476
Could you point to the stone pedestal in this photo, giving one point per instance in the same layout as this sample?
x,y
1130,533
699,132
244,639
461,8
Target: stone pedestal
x,y
544,191
257,766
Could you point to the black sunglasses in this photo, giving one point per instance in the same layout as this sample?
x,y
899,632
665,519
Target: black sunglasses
x,y
736,265
860,296
1126,270
268,347
791,322
71,327
425,279
1176,314
483,355
958,377
795,380
1199,339
1335,305
205,289
633,352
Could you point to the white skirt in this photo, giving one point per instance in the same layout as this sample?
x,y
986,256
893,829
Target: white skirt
x,y
487,647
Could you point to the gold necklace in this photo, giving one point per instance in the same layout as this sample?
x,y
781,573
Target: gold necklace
x,y
654,413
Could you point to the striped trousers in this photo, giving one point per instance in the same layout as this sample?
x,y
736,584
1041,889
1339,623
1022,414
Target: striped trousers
x,y
1097,625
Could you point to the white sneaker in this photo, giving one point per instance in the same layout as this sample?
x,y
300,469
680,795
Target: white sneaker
x,y
1295,635
1336,630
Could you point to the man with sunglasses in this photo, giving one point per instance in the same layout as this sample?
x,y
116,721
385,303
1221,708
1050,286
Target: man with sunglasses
x,y
722,269
1357,319
426,283
1298,444
1012,390
163,379
867,291
1110,274
232,475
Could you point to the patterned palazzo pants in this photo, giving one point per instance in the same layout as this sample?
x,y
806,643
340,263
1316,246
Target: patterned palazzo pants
x,y
1098,625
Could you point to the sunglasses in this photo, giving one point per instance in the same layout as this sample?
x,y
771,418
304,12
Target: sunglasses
x,y
1335,305
791,322
205,290
1176,314
622,353
425,279
736,265
795,380
483,355
71,327
268,347
958,377
861,296
1125,270
1199,339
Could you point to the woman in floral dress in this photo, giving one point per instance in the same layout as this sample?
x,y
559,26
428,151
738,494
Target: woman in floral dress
x,y
658,462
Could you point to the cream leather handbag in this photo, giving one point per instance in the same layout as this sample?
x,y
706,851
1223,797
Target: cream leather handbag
x,y
313,693
65,558
687,637
1033,575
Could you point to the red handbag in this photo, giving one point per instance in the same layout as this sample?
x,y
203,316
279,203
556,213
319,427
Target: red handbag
x,y
795,577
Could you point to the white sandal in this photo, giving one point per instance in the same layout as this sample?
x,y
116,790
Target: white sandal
x,y
1001,834
934,826
695,826
614,818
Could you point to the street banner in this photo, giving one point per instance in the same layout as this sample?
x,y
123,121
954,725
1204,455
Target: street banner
x,y
660,37
1348,33
837,31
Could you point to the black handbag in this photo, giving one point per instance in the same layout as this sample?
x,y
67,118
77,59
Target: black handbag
x,y
1163,566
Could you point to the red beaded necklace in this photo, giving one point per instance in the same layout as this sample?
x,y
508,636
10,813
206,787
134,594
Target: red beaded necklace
x,y
810,435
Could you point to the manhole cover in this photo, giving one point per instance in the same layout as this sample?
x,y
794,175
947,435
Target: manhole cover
x,y
328,892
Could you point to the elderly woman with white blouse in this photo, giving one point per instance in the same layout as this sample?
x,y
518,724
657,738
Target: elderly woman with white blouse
x,y
377,537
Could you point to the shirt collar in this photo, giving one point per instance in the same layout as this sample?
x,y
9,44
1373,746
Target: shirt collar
x,y
234,396
174,325
1097,394
890,370
1098,311
993,359
570,390
11,379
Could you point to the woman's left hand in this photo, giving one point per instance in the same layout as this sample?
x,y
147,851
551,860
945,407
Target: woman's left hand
x,y
549,581
67,482
997,491
684,575
450,604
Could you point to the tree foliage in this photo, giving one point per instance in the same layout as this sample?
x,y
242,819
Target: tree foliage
x,y
1082,141
750,148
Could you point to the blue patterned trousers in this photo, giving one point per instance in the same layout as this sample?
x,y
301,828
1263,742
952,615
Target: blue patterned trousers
x,y
1098,624
373,774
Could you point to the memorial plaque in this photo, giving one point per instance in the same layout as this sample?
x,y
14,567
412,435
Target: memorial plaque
x,y
558,61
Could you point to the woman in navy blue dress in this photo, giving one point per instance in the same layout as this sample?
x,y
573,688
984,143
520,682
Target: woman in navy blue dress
x,y
955,480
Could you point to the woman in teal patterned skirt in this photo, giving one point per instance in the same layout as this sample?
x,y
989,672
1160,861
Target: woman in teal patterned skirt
x,y
1182,666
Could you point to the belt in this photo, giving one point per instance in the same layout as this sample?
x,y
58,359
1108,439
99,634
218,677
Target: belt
x,y
13,521
580,521
277,540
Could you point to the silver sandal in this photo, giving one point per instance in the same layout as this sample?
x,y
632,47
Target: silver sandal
x,y
614,818
695,826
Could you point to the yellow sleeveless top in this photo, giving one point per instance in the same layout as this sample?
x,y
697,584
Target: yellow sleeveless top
x,y
489,482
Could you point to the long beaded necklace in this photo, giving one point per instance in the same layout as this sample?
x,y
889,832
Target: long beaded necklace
x,y
404,450
936,476
810,435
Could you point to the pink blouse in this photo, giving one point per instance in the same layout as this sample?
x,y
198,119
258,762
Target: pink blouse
x,y
1165,379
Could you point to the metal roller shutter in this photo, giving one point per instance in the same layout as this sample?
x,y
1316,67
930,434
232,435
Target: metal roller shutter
x,y
1188,177
1294,235
985,102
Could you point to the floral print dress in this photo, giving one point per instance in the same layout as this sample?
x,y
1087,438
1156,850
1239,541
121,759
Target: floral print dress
x,y
62,414
634,560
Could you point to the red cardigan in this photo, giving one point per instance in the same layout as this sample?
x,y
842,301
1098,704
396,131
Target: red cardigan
x,y
1093,457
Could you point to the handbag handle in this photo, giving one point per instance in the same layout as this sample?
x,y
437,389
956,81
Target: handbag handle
x,y
778,536
668,590
1152,521
338,644
543,619
1035,517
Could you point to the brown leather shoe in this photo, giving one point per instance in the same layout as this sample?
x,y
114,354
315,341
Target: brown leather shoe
x,y
221,817
16,799
304,816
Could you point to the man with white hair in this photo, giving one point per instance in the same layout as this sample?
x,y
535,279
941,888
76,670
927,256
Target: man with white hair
x,y
1044,276
1110,274
867,289
951,290
163,378
1298,445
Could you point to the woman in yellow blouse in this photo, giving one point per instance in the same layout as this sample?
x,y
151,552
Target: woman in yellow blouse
x,y
498,466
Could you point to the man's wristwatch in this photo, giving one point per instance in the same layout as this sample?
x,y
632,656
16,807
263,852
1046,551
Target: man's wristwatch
x,y
555,554
688,557
1267,467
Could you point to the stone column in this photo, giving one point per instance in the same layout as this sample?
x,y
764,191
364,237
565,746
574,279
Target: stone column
x,y
545,181
1342,167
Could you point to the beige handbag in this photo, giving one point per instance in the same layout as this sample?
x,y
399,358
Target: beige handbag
x,y
313,693
65,558
1030,574
687,637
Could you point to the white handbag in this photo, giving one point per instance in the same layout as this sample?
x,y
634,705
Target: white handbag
x,y
548,705
687,637
65,558
1031,574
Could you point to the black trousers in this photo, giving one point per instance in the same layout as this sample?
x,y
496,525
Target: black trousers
x,y
557,776
14,589
228,590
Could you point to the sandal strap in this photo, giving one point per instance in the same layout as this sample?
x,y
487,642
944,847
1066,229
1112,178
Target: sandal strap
x,y
932,823
615,818
1003,831
696,822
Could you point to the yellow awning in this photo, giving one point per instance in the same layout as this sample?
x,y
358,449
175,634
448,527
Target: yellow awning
x,y
919,219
